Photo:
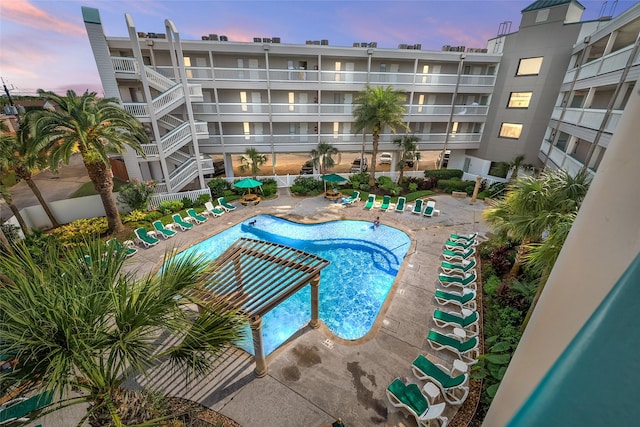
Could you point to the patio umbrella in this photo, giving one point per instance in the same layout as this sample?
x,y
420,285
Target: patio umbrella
x,y
332,177
248,183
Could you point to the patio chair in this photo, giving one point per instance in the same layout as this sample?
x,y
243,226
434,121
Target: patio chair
x,y
468,281
355,197
226,206
17,410
417,208
159,227
180,222
430,209
466,319
199,219
466,298
461,268
455,389
467,350
144,238
127,247
401,203
462,238
385,203
410,399
209,209
371,200
458,246
457,256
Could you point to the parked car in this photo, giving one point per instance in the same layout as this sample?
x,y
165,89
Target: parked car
x,y
307,168
385,158
357,168
446,158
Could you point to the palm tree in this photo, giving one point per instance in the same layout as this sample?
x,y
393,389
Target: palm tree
x,y
22,155
96,127
251,159
8,198
503,168
321,156
90,326
408,151
378,108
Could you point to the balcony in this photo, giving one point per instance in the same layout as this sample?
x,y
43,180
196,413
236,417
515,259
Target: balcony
x,y
589,118
293,75
612,62
296,109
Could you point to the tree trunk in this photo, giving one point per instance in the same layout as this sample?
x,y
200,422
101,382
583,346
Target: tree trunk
x,y
16,212
4,242
401,172
102,178
374,154
36,191
522,251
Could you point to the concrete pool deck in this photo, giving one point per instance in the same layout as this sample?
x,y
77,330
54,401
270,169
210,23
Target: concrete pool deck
x,y
315,378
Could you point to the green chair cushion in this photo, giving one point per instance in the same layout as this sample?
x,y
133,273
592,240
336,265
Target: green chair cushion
x,y
415,399
430,368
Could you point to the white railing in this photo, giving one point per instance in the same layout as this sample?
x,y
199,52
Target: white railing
x,y
612,123
298,108
205,108
253,74
293,75
243,108
436,79
168,99
616,60
198,73
176,138
391,78
156,199
336,108
343,76
170,122
178,157
150,150
490,179
572,115
124,65
592,118
157,80
556,113
136,109
183,174
477,80
432,110
569,76
195,91
202,129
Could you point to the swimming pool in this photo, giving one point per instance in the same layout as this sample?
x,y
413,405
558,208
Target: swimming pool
x,y
364,262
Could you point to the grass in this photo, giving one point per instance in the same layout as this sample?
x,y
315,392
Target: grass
x,y
87,189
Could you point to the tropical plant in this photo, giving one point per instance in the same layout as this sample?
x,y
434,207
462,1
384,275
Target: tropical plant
x,y
322,157
23,155
137,194
95,127
8,198
503,168
377,108
89,326
408,152
252,160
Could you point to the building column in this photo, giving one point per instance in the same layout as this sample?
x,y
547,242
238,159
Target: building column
x,y
315,287
258,348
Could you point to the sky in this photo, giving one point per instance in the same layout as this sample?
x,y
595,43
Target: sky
x,y
43,43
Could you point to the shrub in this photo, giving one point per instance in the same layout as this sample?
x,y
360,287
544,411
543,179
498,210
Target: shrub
x,y
389,186
76,232
491,285
306,186
11,232
439,174
187,203
449,185
201,200
170,206
412,187
219,187
152,216
137,194
135,216
359,178
500,261
269,187
496,190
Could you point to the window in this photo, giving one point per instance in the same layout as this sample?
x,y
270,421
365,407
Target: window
x,y
243,101
529,66
336,129
187,63
519,100
542,15
420,102
246,130
338,68
510,130
291,101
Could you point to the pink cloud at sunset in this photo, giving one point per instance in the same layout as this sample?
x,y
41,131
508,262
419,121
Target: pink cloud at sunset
x,y
23,12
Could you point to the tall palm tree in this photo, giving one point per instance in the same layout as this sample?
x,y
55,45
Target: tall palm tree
x,y
322,157
408,151
96,127
23,155
252,160
377,108
91,326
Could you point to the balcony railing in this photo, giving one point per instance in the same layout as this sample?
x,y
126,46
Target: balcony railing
x,y
136,109
293,75
243,108
168,100
612,62
342,77
124,65
157,80
253,74
591,118
295,108
183,174
392,78
205,108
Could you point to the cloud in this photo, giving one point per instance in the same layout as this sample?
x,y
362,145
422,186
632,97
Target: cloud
x,y
23,12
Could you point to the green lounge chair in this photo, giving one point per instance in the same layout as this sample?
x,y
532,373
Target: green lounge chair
x,y
371,200
180,222
455,389
459,247
226,206
417,208
215,211
430,209
159,227
386,200
462,238
401,203
464,299
355,197
199,219
469,281
467,319
450,255
17,410
410,399
467,350
145,239
127,247
452,268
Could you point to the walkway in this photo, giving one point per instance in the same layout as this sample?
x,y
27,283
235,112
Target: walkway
x,y
316,377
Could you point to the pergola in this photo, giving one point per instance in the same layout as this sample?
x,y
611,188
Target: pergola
x,y
254,276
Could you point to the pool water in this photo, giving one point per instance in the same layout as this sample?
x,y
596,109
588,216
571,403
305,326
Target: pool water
x,y
353,288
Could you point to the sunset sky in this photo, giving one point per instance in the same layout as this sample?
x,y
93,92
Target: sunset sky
x,y
43,44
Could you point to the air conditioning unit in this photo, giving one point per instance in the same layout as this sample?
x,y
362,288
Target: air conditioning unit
x,y
446,48
266,40
152,35
309,42
213,37
417,46
373,44
316,42
142,35
275,40
205,37
402,46
356,44
257,39
224,38
324,42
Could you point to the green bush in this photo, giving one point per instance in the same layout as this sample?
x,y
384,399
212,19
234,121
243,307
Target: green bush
x,y
187,203
137,194
413,187
306,186
219,187
389,186
201,200
170,206
356,180
439,174
269,187
134,216
450,185
152,216
491,285
76,232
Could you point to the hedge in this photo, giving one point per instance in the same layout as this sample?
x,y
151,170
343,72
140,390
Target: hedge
x,y
439,174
